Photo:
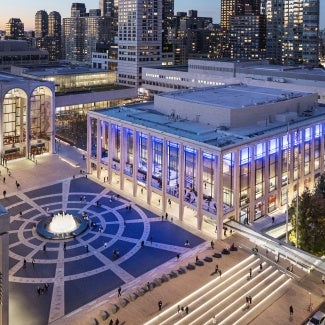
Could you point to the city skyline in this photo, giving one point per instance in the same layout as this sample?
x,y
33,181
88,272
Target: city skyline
x,y
14,9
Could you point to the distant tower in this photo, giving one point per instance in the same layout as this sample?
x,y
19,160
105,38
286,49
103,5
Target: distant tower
x,y
139,38
41,23
292,28
55,36
82,31
14,29
167,23
106,7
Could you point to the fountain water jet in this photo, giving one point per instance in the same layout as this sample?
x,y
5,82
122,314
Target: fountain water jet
x,y
63,223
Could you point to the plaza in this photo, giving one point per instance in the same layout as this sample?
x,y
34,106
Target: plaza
x,y
82,284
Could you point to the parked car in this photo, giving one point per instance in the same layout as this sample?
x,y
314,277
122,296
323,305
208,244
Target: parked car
x,y
317,319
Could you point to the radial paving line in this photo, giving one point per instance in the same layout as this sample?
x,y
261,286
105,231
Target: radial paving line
x,y
65,194
57,302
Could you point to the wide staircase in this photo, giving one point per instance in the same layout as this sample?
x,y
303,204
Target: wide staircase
x,y
224,297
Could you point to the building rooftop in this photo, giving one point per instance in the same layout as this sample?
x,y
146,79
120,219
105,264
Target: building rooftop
x,y
233,96
43,71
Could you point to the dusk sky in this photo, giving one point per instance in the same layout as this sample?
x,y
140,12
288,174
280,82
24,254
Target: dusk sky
x,y
25,10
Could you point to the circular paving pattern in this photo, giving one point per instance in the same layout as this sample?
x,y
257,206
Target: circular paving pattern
x,y
123,242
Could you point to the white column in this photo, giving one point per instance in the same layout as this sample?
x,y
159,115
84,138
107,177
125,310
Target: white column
x,y
110,141
218,187
252,184
88,154
181,181
99,146
149,168
135,161
164,176
122,156
199,186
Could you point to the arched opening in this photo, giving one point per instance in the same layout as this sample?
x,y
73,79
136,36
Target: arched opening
x,y
41,125
14,124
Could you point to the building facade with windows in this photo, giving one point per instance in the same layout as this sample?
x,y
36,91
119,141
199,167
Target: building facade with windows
x,y
139,39
229,152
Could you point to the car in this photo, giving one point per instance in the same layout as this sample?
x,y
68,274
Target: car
x,y
317,319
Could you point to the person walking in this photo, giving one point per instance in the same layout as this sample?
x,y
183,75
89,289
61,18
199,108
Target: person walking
x,y
212,244
323,279
291,311
216,269
250,273
119,290
186,310
159,304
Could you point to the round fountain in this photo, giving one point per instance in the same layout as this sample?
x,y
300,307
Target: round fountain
x,y
61,226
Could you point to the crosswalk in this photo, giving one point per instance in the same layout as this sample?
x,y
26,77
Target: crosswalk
x,y
224,297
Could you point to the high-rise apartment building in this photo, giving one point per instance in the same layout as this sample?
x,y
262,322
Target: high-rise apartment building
x,y
107,7
243,24
139,38
48,33
41,23
82,31
292,31
14,29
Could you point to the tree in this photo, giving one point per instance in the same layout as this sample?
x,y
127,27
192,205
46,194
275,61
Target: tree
x,y
311,219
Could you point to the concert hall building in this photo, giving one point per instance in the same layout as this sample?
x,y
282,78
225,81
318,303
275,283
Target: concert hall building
x,y
228,152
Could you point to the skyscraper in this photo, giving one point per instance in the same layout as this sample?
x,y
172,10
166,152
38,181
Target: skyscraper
x,y
243,25
139,38
14,29
107,7
41,23
82,31
55,36
292,31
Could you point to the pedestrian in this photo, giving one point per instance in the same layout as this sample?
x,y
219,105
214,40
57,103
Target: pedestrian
x,y
162,218
250,299
4,193
64,246
148,286
214,320
24,264
291,310
87,249
186,310
178,256
178,309
220,273
159,304
44,248
151,240
250,273
142,243
196,258
261,267
119,290
247,301
117,321
111,322
212,244
21,213
323,279
166,216
81,198
33,262
272,219
4,180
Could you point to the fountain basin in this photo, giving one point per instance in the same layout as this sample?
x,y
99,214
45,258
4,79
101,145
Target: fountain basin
x,y
61,226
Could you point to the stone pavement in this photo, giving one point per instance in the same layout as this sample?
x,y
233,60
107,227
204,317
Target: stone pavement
x,y
51,169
